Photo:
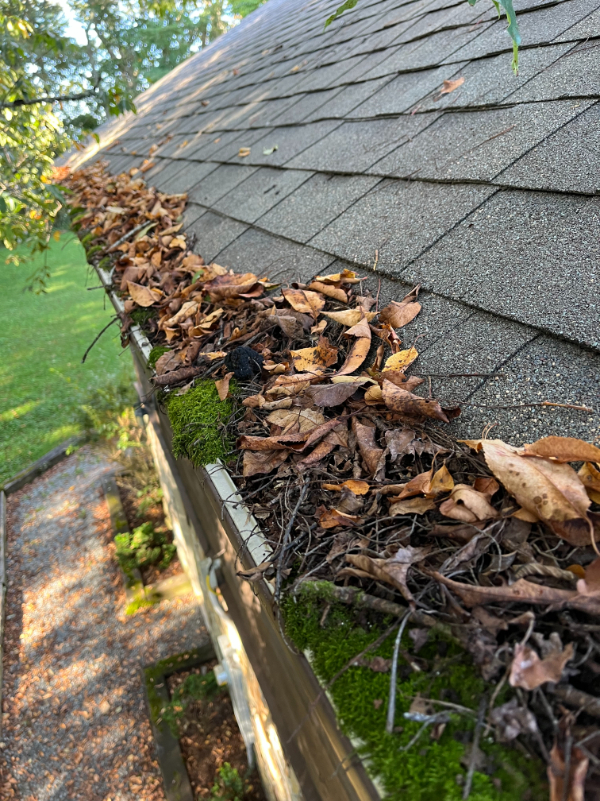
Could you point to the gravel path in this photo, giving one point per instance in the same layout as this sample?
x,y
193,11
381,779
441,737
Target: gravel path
x,y
74,719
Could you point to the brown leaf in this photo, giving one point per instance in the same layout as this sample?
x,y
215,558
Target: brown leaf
x,y
346,276
296,420
591,582
392,571
303,301
332,518
339,436
354,485
550,490
411,506
413,406
315,359
590,478
521,591
167,362
401,380
187,310
399,314
255,573
330,291
511,720
356,356
262,462
360,329
143,295
401,360
450,86
462,533
222,386
563,449
370,452
529,671
332,394
231,285
350,317
468,505
578,768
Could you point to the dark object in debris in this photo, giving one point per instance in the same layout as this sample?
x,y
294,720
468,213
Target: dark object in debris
x,y
244,362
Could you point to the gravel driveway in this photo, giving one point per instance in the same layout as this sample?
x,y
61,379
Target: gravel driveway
x,y
74,719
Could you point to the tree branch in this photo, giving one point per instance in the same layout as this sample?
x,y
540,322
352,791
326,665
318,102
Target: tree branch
x,y
55,99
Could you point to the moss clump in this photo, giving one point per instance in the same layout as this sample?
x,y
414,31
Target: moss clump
x,y
155,355
141,316
430,770
198,419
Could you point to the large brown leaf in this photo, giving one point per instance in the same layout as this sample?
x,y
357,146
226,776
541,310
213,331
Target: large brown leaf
x,y
303,301
392,571
399,314
412,406
332,394
563,449
552,491
315,359
337,293
257,463
468,505
529,671
370,452
339,436
575,781
349,317
356,356
143,295
231,285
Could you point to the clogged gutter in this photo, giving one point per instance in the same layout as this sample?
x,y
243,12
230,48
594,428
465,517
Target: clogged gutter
x,y
454,571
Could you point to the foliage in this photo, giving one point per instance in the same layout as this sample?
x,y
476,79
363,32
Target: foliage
x,y
197,419
155,355
195,687
143,547
428,770
506,5
228,785
54,90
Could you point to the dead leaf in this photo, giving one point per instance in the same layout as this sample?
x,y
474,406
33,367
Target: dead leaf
x,y
332,518
550,490
522,591
370,452
243,152
339,436
468,505
255,573
354,485
303,301
462,533
563,449
350,317
529,671
373,395
511,720
143,295
399,314
428,483
231,285
413,406
401,360
392,571
590,584
296,420
222,386
329,290
401,380
356,356
411,506
578,768
449,86
332,394
315,359
257,463
346,276
590,478
187,310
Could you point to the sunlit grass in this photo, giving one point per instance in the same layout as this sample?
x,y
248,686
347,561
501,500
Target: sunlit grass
x,y
42,340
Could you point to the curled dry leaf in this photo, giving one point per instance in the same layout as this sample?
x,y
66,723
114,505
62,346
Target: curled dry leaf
x,y
399,314
332,518
257,463
590,478
143,295
449,86
303,301
350,317
590,583
326,395
549,490
528,671
354,485
339,436
401,380
222,386
563,449
557,773
511,720
428,483
315,359
413,406
468,505
392,571
346,276
411,506
296,420
370,452
522,591
187,310
401,360
337,293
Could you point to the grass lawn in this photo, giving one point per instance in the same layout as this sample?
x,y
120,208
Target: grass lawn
x,y
42,340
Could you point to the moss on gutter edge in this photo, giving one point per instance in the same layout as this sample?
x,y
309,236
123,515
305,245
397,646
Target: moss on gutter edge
x,y
430,770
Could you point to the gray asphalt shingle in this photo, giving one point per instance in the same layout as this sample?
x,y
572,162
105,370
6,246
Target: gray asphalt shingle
x,y
218,182
260,192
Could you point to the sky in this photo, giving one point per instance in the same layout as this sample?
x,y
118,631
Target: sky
x,y
74,29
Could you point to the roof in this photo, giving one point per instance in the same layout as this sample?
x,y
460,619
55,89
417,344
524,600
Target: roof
x,y
486,195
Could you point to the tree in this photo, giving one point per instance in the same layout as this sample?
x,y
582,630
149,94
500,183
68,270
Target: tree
x,y
54,90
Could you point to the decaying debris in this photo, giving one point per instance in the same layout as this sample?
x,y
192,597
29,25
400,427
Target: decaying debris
x,y
342,458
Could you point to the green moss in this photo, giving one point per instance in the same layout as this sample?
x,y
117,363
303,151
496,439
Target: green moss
x,y
427,771
154,674
198,420
141,316
155,355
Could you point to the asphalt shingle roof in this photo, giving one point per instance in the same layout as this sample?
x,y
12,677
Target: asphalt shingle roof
x,y
487,196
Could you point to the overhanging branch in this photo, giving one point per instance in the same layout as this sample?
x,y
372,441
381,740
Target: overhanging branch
x,y
51,99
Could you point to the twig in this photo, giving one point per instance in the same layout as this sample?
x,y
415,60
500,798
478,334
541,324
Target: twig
x,y
567,769
176,376
538,569
474,747
286,538
576,698
391,710
96,338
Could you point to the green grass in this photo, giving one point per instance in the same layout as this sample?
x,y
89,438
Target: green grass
x,y
42,340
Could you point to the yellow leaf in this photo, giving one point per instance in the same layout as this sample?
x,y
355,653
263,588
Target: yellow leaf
x,y
401,360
